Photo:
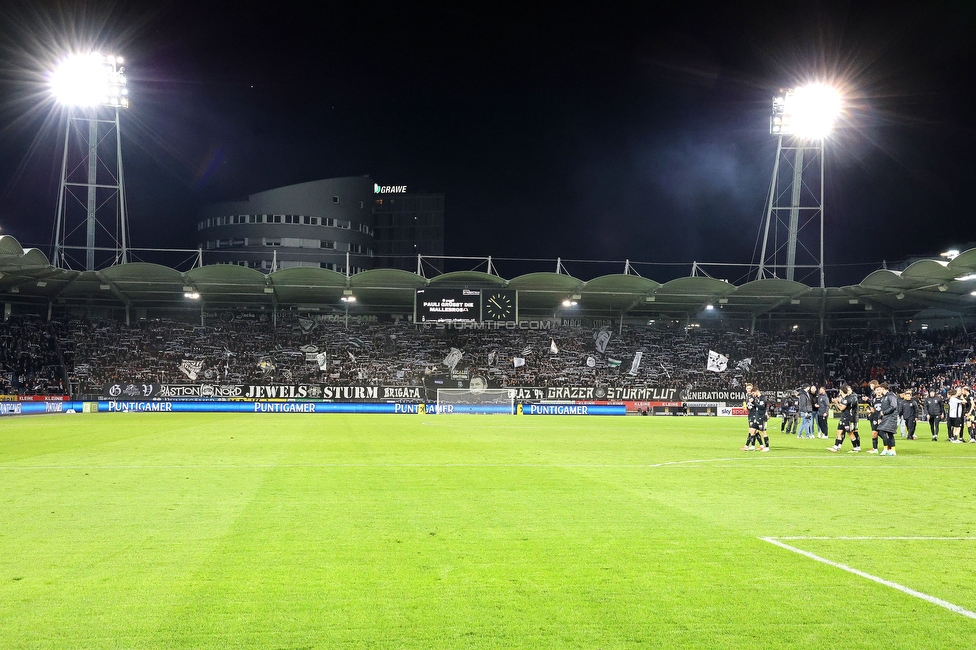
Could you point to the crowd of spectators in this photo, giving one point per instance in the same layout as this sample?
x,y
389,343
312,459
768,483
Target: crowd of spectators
x,y
29,357
255,351
933,359
36,356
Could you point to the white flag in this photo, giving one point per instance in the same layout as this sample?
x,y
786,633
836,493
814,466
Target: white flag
x,y
452,358
320,358
191,368
552,347
352,356
602,337
518,362
744,365
491,358
590,362
636,362
716,362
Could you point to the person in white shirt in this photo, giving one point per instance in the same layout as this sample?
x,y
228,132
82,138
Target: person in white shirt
x,y
956,415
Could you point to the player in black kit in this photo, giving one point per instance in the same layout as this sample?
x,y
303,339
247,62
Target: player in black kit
x,y
758,415
874,415
934,413
908,410
846,403
969,414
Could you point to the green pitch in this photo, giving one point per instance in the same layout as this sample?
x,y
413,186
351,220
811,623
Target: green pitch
x,y
318,531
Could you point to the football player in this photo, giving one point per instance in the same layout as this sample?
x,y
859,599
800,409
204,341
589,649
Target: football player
x,y
758,416
846,403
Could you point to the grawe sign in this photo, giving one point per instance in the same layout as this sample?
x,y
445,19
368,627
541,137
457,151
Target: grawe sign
x,y
389,189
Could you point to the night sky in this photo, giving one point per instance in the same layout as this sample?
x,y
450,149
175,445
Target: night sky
x,y
612,131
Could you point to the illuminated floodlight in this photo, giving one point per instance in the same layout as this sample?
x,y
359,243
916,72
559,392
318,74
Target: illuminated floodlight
x,y
806,112
966,278
569,303
89,80
191,295
348,299
950,254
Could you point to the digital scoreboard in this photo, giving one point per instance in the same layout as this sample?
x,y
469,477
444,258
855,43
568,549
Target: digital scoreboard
x,y
465,305
447,306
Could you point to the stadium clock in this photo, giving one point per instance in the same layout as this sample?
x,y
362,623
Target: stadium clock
x,y
499,305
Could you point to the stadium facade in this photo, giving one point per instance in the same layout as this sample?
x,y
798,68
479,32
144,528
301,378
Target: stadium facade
x,y
349,225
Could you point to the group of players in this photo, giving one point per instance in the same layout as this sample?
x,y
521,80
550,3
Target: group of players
x,y
886,412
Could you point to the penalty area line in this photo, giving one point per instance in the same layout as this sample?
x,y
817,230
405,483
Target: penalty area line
x,y
887,583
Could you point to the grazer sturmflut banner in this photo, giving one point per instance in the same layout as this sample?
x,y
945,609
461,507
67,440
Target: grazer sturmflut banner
x,y
610,393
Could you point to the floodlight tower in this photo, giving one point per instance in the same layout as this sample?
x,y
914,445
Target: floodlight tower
x,y
92,87
801,120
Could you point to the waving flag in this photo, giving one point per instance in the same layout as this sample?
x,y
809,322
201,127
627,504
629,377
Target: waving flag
x,y
191,368
635,364
452,358
716,362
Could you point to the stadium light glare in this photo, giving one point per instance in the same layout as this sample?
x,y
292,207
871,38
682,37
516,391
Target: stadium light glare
x,y
191,295
966,278
950,254
349,299
89,80
569,303
808,112
709,307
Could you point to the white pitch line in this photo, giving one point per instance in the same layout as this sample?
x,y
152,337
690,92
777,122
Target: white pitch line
x,y
880,539
888,583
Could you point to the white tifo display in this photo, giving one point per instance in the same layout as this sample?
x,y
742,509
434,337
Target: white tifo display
x,y
488,401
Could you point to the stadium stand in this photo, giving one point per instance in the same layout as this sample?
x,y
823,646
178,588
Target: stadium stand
x,y
400,354
30,361
143,322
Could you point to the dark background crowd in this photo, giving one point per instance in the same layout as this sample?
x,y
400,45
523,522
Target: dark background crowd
x,y
38,357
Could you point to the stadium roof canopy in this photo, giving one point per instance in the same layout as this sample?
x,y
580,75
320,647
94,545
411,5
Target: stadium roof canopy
x,y
924,286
